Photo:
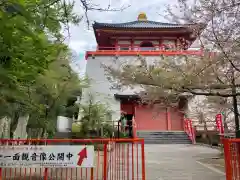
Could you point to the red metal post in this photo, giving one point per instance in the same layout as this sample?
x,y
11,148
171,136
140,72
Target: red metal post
x,y
46,169
105,162
45,173
133,160
169,124
0,173
143,160
228,164
92,174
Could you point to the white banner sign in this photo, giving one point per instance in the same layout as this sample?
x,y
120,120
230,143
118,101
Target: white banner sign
x,y
46,156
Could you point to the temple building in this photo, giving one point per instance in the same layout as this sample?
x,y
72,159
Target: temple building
x,y
124,42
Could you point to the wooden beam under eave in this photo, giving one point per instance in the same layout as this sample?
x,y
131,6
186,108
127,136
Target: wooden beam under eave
x,y
147,30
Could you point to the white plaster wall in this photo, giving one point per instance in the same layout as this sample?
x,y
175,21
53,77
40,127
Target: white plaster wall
x,y
64,124
100,86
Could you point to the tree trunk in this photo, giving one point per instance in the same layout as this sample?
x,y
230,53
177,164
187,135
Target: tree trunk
x,y
5,127
14,124
235,107
225,125
21,127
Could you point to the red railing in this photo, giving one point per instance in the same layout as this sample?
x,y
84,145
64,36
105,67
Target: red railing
x,y
232,158
114,159
145,51
188,128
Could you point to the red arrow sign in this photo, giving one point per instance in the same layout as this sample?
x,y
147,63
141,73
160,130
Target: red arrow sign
x,y
82,155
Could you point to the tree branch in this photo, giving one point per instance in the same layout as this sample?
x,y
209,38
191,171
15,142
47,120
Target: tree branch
x,y
93,7
201,87
212,94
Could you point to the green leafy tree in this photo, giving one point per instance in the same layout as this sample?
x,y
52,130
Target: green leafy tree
x,y
30,40
93,117
54,94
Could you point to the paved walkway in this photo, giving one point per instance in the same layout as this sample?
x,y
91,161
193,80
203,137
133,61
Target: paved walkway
x,y
163,162
179,162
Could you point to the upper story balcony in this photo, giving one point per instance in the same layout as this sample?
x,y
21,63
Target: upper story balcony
x,y
156,50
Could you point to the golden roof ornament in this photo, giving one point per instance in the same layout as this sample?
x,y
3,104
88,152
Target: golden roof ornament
x,y
142,16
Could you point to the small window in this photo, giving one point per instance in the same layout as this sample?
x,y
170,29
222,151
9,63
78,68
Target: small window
x,y
124,48
147,46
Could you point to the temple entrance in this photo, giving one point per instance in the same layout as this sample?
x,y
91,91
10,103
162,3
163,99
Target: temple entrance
x,y
149,118
125,125
129,128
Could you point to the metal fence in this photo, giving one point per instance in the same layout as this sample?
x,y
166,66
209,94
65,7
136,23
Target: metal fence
x,y
115,159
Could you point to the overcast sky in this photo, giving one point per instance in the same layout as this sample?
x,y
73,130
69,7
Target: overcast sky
x,y
83,39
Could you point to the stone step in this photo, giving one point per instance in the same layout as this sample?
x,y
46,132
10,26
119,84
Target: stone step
x,y
168,142
163,132
170,136
164,137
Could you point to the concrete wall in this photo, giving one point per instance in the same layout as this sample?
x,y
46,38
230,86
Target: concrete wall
x,y
101,87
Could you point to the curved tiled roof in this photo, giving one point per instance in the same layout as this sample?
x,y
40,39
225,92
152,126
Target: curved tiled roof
x,y
139,24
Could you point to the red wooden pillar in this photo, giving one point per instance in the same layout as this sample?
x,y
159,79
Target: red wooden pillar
x,y
183,121
169,123
132,44
160,44
116,44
